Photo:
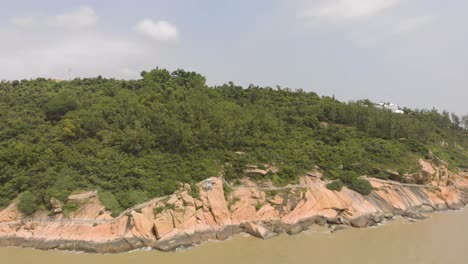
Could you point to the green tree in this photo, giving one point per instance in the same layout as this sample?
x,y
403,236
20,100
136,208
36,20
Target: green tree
x,y
59,105
28,203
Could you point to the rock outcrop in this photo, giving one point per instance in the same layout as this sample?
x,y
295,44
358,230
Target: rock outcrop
x,y
181,220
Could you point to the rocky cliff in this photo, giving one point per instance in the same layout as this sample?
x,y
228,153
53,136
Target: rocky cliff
x,y
218,212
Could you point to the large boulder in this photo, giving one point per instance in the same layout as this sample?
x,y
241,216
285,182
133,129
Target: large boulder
x,y
362,221
213,201
56,205
172,199
198,204
187,199
182,214
163,224
427,171
258,230
277,200
10,213
141,226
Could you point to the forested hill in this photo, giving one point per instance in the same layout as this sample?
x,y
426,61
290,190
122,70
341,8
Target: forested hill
x,y
133,140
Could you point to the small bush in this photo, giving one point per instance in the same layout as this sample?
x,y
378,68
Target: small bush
x,y
195,191
69,208
381,175
28,203
110,202
227,190
258,206
159,210
360,185
336,185
271,193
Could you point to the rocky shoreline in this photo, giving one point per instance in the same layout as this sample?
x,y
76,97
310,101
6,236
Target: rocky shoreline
x,y
181,220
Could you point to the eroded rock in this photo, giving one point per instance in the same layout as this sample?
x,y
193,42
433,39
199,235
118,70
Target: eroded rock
x,y
258,231
81,197
163,224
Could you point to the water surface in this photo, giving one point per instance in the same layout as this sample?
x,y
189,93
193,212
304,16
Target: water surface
x,y
441,239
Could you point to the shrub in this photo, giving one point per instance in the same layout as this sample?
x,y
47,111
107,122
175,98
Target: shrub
x,y
417,147
271,193
382,175
69,208
335,185
159,210
360,185
28,203
258,206
227,190
110,202
195,191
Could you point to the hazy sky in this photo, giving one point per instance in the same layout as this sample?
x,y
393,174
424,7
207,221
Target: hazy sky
x,y
410,52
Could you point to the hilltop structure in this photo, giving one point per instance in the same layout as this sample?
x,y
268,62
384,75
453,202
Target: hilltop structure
x,y
390,106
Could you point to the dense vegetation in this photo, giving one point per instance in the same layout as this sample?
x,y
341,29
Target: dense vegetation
x,y
133,140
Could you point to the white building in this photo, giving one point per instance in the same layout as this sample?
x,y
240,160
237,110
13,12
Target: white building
x,y
390,106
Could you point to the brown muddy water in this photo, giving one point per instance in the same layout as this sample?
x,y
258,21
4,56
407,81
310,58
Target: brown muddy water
x,y
441,239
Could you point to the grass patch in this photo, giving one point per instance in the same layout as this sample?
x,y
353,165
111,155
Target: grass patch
x,y
70,208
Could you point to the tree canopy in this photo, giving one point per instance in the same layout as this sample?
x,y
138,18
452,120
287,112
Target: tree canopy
x,y
135,139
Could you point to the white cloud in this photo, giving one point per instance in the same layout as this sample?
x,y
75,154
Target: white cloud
x,y
130,73
23,21
161,30
339,11
412,24
83,17
48,46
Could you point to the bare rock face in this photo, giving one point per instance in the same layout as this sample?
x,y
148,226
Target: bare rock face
x,y
182,214
180,220
81,197
244,203
11,213
252,169
256,171
214,201
427,171
198,204
163,224
91,208
172,199
277,200
141,226
187,187
187,199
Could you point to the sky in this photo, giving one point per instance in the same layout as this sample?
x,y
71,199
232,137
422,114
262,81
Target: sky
x,y
410,52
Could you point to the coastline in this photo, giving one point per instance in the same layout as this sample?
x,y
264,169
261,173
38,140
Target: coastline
x,y
215,215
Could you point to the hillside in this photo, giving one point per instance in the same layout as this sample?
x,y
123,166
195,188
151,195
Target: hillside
x,y
134,140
